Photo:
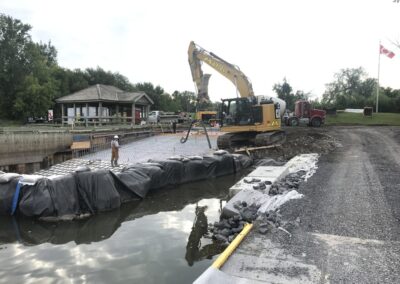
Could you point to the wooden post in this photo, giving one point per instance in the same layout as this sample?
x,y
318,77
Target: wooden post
x,y
74,121
87,115
100,109
117,112
148,111
62,114
133,114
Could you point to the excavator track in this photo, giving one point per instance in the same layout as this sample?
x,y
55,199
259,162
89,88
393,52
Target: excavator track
x,y
270,138
231,141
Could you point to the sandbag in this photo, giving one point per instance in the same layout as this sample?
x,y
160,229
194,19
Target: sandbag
x,y
173,171
35,200
225,165
134,182
96,191
158,177
200,169
241,162
65,195
7,177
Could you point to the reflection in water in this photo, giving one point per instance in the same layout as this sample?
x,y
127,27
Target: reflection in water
x,y
194,249
151,241
96,228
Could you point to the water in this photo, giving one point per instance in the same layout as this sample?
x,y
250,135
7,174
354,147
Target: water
x,y
157,240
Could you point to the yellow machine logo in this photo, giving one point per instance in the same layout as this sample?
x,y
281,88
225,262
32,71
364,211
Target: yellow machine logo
x,y
275,123
220,67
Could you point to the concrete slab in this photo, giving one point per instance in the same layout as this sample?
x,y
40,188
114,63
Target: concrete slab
x,y
214,275
249,196
263,173
269,171
262,260
242,184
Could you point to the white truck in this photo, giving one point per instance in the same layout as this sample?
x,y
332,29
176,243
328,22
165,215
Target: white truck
x,y
158,116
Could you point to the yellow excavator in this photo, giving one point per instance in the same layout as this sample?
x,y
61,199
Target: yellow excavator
x,y
247,120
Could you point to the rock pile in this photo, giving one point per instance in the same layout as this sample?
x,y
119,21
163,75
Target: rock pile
x,y
226,230
269,221
290,182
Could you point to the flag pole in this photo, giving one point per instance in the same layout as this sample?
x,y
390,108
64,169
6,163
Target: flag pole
x,y
379,68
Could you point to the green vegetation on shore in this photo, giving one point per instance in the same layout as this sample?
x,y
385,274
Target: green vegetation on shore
x,y
345,118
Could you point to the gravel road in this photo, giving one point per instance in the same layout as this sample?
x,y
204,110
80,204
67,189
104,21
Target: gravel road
x,y
347,227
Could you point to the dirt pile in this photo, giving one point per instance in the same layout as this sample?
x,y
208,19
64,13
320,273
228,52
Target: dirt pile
x,y
308,141
300,140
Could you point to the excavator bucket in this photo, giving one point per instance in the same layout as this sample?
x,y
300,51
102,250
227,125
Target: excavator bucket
x,y
203,90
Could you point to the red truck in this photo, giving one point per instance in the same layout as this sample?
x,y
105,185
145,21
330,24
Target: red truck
x,y
305,114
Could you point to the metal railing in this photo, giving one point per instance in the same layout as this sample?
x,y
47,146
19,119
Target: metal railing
x,y
100,142
98,120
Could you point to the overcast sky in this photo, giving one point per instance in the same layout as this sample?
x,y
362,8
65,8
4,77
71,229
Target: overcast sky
x,y
304,41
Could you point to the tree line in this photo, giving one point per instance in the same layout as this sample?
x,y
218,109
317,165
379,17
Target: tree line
x,y
351,88
31,80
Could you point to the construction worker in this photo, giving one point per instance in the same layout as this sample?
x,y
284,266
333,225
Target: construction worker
x,y
114,151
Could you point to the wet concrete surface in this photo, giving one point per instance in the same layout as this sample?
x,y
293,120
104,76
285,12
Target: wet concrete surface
x,y
158,240
347,227
159,147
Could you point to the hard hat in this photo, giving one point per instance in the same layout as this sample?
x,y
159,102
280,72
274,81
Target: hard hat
x,y
116,137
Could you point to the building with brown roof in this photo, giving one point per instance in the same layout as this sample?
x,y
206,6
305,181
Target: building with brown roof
x,y
102,104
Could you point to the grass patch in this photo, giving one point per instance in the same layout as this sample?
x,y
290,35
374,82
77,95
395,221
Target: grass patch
x,y
346,118
8,122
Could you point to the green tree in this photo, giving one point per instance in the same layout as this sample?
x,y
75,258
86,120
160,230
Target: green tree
x,y
155,93
285,92
14,65
186,101
350,89
35,94
27,85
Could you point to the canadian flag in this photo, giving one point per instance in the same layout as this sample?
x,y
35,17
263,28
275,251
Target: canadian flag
x,y
387,52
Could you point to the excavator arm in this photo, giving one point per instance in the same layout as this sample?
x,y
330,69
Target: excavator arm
x,y
230,71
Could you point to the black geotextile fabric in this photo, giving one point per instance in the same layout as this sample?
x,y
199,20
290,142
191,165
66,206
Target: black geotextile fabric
x,y
7,190
155,171
242,162
225,165
173,172
65,195
97,191
200,169
134,183
36,200
102,190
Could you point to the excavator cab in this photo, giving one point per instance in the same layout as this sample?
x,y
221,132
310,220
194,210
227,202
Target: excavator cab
x,y
240,112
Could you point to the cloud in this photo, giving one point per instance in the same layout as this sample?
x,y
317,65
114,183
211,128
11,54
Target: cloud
x,y
304,41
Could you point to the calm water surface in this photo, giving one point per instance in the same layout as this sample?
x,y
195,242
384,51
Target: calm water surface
x,y
157,240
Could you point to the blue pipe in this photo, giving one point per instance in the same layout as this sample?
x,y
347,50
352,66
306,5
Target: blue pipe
x,y
16,197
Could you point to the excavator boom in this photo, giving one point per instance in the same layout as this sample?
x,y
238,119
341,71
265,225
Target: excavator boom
x,y
232,72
